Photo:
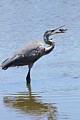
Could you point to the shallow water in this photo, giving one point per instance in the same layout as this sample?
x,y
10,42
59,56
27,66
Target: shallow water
x,y
54,93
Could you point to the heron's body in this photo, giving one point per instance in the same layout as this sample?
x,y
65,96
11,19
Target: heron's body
x,y
25,56
30,53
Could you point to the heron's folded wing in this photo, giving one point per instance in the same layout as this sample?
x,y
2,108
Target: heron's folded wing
x,y
34,54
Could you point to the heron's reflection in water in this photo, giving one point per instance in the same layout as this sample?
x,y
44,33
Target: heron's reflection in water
x,y
30,104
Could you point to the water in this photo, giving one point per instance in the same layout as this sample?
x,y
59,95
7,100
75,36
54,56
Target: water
x,y
54,93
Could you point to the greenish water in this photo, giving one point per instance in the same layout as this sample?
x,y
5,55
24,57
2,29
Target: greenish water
x,y
54,93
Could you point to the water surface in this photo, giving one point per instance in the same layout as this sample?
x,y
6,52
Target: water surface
x,y
54,93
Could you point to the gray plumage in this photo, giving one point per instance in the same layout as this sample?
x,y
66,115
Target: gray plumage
x,y
25,56
31,53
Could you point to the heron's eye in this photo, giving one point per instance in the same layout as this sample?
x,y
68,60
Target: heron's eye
x,y
52,30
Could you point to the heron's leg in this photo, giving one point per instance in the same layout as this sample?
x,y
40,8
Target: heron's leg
x,y
28,79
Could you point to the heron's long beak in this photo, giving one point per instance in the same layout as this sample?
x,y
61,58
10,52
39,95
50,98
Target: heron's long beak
x,y
60,30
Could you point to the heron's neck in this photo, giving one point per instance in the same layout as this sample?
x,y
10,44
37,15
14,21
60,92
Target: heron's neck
x,y
50,43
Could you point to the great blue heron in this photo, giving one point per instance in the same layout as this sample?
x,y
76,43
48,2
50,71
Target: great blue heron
x,y
29,54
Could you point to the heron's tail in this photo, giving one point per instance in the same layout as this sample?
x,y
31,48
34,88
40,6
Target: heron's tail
x,y
7,63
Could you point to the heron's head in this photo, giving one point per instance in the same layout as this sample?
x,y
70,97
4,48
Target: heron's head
x,y
55,31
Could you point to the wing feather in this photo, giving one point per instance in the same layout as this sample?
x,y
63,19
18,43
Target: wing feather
x,y
26,55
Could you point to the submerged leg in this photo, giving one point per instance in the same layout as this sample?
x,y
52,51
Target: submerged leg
x,y
28,79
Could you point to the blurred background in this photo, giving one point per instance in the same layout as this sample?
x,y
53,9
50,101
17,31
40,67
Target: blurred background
x,y
55,78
